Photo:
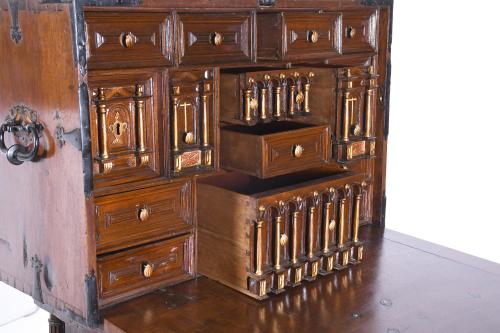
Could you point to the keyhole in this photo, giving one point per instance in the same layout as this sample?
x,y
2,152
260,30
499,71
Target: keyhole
x,y
118,129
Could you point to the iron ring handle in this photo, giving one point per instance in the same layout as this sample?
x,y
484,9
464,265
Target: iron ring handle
x,y
18,154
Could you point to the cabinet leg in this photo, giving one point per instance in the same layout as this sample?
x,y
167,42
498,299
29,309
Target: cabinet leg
x,y
55,325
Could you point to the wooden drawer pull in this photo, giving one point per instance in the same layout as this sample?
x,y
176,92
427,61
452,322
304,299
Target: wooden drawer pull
x,y
298,150
216,39
128,40
313,36
147,270
143,214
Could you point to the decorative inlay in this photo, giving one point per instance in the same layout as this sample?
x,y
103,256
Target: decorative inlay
x,y
99,40
191,159
118,128
192,39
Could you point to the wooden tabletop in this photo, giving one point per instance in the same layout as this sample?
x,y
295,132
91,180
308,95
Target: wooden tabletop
x,y
404,285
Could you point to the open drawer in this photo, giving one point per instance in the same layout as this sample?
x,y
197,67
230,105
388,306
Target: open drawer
x,y
259,236
268,150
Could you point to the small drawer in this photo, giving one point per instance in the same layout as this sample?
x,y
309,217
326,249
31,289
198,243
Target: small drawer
x,y
359,31
301,93
123,39
214,38
136,217
262,235
122,274
268,150
297,36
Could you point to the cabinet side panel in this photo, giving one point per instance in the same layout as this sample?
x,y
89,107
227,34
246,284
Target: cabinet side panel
x,y
42,204
382,121
223,235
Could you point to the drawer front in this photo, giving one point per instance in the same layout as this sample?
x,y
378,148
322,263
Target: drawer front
x,y
193,121
137,217
359,31
301,233
145,267
311,35
214,38
128,39
125,118
293,151
272,95
357,95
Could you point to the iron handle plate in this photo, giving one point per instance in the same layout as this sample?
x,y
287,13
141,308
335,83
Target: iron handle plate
x,y
21,121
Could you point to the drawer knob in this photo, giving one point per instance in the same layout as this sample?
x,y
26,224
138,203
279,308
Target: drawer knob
x,y
147,270
313,36
356,130
298,150
143,214
128,40
216,39
283,239
350,32
189,138
332,225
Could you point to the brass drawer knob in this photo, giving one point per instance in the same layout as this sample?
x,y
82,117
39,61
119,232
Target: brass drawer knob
x,y
350,32
332,225
356,130
143,214
147,270
128,40
283,239
189,138
313,36
216,39
298,150
254,104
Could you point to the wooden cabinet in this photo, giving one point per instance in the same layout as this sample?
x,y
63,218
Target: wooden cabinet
x,y
129,39
259,236
271,150
245,140
214,38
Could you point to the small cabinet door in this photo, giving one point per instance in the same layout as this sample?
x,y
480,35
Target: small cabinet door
x,y
356,111
124,117
193,121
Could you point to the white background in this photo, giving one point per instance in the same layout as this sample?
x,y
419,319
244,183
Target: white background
x,y
442,182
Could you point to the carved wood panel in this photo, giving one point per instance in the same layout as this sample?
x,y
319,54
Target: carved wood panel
x,y
125,115
265,96
357,91
193,121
